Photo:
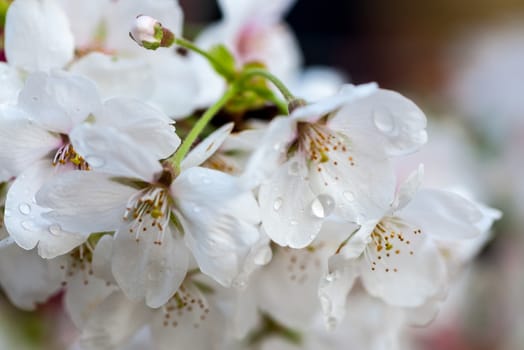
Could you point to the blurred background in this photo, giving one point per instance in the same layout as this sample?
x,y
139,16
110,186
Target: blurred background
x,y
462,62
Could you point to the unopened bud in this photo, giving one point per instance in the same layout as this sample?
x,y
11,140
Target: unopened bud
x,y
149,33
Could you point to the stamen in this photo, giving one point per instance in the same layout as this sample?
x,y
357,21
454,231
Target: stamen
x,y
66,154
149,210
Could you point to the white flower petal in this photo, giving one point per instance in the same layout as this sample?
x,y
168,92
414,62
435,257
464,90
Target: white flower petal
x,y
407,270
22,142
85,20
408,188
287,287
176,85
116,76
245,11
358,242
108,150
271,150
385,116
318,82
147,270
288,206
207,147
145,125
113,323
37,35
219,219
443,214
58,101
82,298
189,327
10,83
362,185
423,315
102,259
348,94
85,201
25,277
25,221
334,288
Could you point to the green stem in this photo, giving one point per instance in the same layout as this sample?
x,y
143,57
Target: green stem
x,y
270,96
190,46
200,125
253,72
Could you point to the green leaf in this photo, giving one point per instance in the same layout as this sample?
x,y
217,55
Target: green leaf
x,y
223,61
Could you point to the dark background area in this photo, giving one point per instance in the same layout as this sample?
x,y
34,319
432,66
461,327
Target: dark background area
x,y
400,44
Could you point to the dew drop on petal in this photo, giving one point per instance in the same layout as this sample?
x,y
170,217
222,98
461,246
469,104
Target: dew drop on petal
x,y
277,204
276,146
322,206
349,195
24,208
29,225
332,277
95,161
383,121
55,229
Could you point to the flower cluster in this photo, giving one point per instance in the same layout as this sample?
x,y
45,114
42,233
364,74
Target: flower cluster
x,y
292,231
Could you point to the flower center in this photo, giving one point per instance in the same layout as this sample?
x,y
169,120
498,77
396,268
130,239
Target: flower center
x,y
147,211
79,260
66,154
188,306
319,144
390,239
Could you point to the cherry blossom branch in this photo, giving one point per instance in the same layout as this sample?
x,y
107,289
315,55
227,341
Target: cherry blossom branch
x,y
200,125
253,72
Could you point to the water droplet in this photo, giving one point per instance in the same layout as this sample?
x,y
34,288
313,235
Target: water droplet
x,y
24,208
95,161
294,168
7,213
332,277
276,146
55,229
277,204
29,225
384,121
322,206
349,196
293,222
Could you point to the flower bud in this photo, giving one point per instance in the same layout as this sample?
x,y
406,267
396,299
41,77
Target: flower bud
x,y
149,33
